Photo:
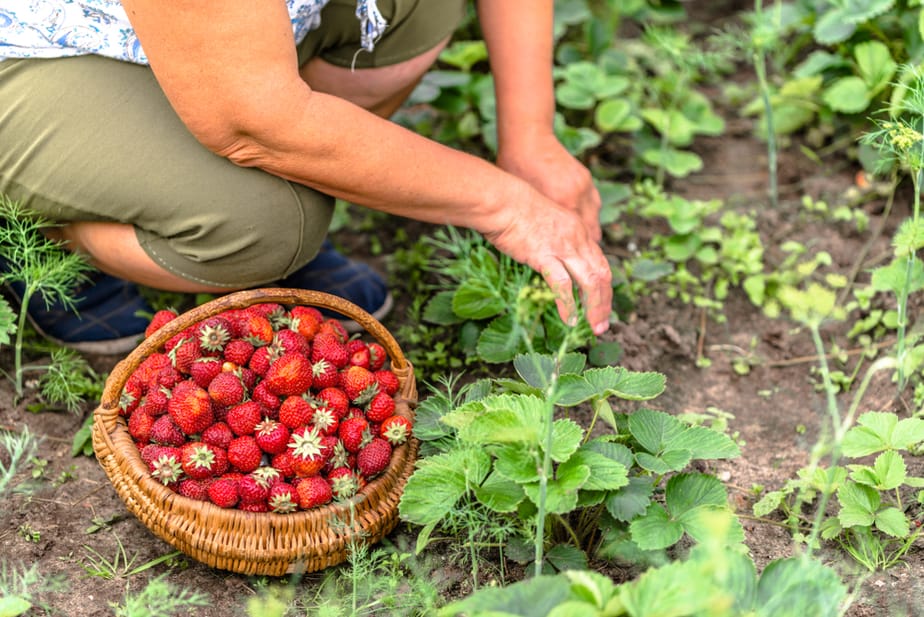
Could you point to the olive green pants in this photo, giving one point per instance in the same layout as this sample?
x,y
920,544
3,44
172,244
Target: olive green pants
x,y
89,138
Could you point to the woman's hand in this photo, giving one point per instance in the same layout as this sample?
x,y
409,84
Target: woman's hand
x,y
556,242
549,168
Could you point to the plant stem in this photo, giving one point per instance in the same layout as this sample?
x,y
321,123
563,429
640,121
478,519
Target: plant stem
x,y
760,68
17,355
903,295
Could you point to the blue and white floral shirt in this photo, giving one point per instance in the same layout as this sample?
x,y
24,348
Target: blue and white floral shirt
x,y
56,28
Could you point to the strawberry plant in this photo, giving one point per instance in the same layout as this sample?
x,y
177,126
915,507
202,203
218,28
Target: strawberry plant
x,y
712,579
500,444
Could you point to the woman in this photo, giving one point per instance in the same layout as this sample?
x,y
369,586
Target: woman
x,y
197,147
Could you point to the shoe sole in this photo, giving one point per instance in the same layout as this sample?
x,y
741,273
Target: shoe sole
x,y
352,327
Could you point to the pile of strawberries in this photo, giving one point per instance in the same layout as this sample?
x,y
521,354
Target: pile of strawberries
x,y
266,409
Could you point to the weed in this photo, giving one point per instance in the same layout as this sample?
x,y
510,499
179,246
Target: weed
x,y
18,449
160,598
22,587
41,264
120,565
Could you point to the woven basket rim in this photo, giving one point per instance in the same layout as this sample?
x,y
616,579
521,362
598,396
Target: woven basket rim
x,y
123,459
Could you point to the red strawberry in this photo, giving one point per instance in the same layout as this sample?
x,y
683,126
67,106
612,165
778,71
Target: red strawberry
x,y
359,384
262,395
313,492
223,492
283,464
377,356
354,433
219,435
213,334
336,400
305,320
150,366
260,506
238,351
334,327
194,489
252,490
190,407
324,374
309,453
380,407
204,370
330,347
227,389
164,463
140,424
260,360
160,318
272,436
295,412
154,403
324,418
374,457
270,310
131,394
256,328
184,354
359,353
290,374
244,453
244,418
388,381
200,460
282,498
343,482
395,429
166,432
291,341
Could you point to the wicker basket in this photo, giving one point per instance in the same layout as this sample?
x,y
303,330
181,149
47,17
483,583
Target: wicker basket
x,y
246,542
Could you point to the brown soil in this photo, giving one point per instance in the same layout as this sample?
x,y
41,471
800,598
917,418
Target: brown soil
x,y
776,407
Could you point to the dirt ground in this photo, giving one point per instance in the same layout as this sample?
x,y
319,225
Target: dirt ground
x,y
776,408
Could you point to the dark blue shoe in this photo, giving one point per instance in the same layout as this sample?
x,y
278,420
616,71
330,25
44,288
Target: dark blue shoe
x,y
335,274
105,321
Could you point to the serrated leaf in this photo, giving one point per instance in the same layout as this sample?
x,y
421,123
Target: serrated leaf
x,y
798,586
892,522
666,462
877,68
476,299
615,115
625,384
8,322
858,505
686,491
439,310
848,95
631,500
504,418
517,463
573,390
877,431
655,530
439,482
671,123
14,606
538,595
833,27
704,443
499,493
890,470
563,557
605,473
678,163
536,369
768,503
892,277
566,439
706,523
614,451
501,340
562,491
653,430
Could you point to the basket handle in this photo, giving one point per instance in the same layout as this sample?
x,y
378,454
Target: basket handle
x,y
242,299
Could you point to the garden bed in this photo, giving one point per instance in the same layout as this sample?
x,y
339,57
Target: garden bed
x,y
762,380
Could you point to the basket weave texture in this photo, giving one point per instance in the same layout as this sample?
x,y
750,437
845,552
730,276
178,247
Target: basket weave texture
x,y
247,542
